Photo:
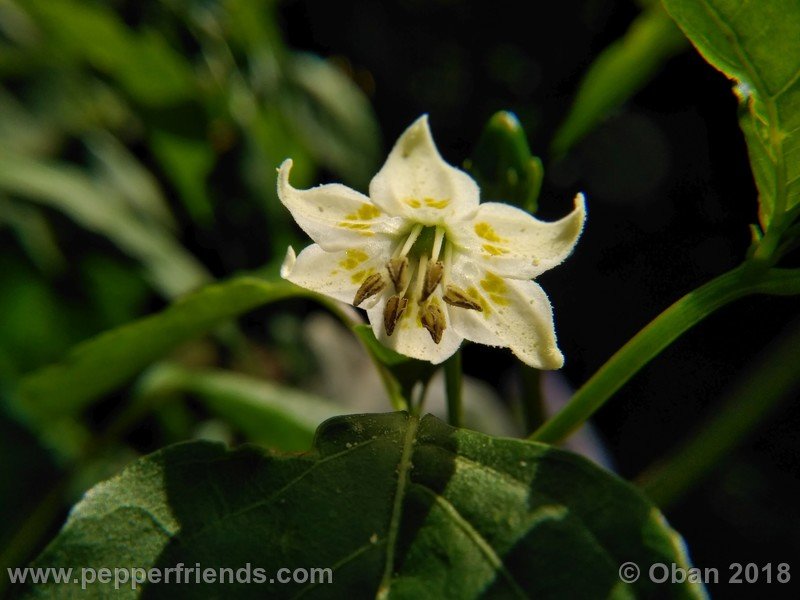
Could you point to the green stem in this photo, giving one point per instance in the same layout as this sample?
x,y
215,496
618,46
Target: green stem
x,y
660,333
533,413
453,384
750,402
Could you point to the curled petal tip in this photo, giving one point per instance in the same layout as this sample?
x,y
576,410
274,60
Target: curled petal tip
x,y
288,263
580,201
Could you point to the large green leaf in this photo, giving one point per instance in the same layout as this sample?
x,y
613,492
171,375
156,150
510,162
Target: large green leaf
x,y
111,359
758,45
396,506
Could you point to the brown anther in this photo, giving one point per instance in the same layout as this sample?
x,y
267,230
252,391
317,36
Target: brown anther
x,y
433,320
395,307
371,286
433,276
458,297
398,272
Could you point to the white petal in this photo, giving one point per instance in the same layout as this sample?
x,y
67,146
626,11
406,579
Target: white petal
x,y
335,274
417,183
333,215
512,243
516,314
410,338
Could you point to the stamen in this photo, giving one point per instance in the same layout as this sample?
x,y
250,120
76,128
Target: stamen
x,y
412,237
422,271
437,243
371,286
398,273
433,275
457,297
433,320
395,307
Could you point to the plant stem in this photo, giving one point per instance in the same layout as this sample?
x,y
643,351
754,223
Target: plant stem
x,y
533,412
749,403
453,384
661,332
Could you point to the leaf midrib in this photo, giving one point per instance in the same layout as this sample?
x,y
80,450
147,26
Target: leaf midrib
x,y
403,468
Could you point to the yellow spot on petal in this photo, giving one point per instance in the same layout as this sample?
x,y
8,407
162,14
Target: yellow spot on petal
x,y
354,257
361,275
496,288
487,232
476,296
494,250
357,226
367,212
361,228
413,203
499,300
432,203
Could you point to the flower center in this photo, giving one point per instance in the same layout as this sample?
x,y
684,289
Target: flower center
x,y
424,258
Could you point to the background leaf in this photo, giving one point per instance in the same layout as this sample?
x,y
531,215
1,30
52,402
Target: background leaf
x,y
757,44
273,415
170,267
141,62
618,73
333,117
111,359
440,513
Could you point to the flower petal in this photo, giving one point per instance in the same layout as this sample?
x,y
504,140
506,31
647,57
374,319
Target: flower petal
x,y
512,243
335,274
515,314
333,215
417,183
410,338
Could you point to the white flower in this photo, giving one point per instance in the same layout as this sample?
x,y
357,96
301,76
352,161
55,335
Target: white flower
x,y
431,265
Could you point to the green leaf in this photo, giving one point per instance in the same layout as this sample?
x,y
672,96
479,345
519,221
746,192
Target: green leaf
x,y
503,165
170,267
111,359
267,413
188,163
618,73
757,44
395,506
34,234
118,168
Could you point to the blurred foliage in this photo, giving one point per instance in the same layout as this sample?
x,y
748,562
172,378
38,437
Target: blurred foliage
x,y
137,143
112,121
